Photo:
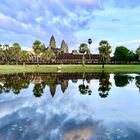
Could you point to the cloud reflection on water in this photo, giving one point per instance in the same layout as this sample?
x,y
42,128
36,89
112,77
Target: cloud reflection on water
x,y
70,116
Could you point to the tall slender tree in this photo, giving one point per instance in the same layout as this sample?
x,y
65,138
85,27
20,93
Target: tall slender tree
x,y
1,52
24,56
83,48
16,51
48,55
138,52
38,48
5,49
104,51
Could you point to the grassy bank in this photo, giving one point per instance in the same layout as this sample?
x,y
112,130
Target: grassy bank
x,y
68,68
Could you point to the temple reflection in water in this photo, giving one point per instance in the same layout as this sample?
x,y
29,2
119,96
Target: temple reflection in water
x,y
17,82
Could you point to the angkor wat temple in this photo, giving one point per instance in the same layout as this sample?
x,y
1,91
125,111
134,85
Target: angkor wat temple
x,y
63,56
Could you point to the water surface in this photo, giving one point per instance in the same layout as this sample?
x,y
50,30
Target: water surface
x,y
85,106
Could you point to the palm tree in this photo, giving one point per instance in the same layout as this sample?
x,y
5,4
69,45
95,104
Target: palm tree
x,y
83,48
38,48
104,51
24,56
48,55
1,53
16,51
138,52
5,52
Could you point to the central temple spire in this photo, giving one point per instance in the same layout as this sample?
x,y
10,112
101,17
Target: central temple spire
x,y
52,43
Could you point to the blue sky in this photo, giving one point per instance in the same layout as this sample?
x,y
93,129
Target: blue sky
x,y
72,20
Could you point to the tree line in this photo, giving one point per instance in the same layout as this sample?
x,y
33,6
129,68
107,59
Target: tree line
x,y
121,54
14,53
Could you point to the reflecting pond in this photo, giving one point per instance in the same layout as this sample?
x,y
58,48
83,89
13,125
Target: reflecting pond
x,y
64,106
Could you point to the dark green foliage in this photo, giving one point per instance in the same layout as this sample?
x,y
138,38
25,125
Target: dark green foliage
x,y
137,78
124,54
83,48
38,90
84,89
104,51
38,48
122,80
138,53
104,85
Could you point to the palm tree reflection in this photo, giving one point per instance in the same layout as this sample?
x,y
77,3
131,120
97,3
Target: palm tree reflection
x,y
84,89
7,84
17,82
38,86
1,88
38,90
104,85
137,78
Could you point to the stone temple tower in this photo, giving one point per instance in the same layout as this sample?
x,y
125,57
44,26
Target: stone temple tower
x,y
64,47
52,43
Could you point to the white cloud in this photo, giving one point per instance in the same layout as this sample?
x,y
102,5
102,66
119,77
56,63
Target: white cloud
x,y
73,21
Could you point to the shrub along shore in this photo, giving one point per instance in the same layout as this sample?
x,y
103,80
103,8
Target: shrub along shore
x,y
7,69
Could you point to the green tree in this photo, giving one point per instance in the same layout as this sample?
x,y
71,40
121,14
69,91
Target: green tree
x,y
48,55
122,53
16,51
5,52
104,51
83,48
132,56
1,53
38,48
138,53
24,56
